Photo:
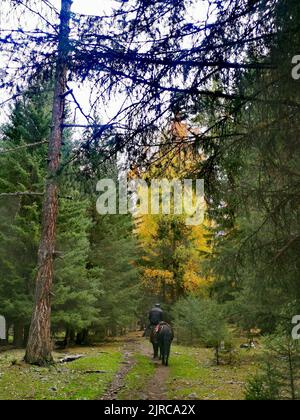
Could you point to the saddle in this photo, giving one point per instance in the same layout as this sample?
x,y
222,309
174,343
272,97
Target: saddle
x,y
159,327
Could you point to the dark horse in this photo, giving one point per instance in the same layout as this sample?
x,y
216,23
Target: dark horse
x,y
161,338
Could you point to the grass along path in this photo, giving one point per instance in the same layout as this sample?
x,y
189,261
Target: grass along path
x,y
192,374
66,381
127,364
125,370
148,379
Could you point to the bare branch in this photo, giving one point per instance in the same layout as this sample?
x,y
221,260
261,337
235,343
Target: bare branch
x,y
87,117
21,194
286,247
102,127
33,194
26,146
12,98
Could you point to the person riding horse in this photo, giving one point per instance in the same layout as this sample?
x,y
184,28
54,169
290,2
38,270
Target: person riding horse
x,y
161,334
156,315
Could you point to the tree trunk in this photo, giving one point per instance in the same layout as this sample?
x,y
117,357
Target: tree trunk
x,y
69,337
39,347
217,355
7,331
18,334
292,380
114,331
26,334
82,337
72,336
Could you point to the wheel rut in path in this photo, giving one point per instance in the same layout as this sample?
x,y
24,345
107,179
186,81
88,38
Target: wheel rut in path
x,y
129,348
155,389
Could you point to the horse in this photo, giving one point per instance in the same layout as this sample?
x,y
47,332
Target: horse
x,y
161,338
153,340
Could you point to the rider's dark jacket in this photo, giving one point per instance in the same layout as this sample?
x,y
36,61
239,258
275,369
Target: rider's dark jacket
x,y
156,316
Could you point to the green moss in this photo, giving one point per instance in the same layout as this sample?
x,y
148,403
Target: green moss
x,y
193,375
67,381
137,378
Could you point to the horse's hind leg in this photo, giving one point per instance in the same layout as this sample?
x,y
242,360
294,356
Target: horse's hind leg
x,y
155,348
167,354
167,360
159,351
162,354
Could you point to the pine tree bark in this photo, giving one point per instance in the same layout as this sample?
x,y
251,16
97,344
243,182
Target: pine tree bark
x,y
39,346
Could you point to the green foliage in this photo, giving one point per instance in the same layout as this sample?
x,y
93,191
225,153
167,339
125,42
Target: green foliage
x,y
113,255
78,292
279,376
75,291
264,386
201,321
173,247
256,206
21,170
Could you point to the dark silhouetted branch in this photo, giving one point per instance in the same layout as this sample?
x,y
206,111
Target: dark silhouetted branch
x,y
26,146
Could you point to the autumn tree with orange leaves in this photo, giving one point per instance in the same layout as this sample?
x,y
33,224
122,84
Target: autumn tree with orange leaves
x,y
173,252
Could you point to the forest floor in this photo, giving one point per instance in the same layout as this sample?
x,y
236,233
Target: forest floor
x,y
124,369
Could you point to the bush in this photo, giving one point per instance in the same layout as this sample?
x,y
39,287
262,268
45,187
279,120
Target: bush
x,y
264,386
202,322
280,370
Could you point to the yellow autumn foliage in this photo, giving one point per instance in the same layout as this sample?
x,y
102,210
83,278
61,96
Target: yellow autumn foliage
x,y
160,281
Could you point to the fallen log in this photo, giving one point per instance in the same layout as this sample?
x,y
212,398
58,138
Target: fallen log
x,y
90,372
71,358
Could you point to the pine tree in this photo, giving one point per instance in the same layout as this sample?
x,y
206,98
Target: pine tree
x,y
24,169
114,252
75,291
21,170
256,206
113,260
199,321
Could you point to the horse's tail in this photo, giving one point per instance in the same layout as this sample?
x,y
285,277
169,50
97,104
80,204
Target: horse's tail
x,y
166,338
168,334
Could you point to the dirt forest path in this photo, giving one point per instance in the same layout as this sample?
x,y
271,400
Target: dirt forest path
x,y
155,388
